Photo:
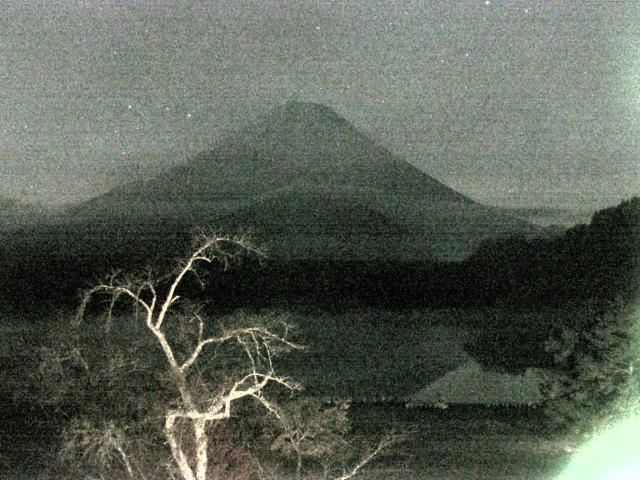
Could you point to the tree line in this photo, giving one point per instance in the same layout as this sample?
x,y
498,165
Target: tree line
x,y
599,260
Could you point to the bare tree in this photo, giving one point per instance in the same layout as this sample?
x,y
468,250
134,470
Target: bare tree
x,y
313,430
157,300
385,443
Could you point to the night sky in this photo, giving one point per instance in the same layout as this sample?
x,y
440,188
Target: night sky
x,y
511,102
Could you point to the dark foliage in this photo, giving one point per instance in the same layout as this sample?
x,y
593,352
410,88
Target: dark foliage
x,y
599,260
595,376
594,264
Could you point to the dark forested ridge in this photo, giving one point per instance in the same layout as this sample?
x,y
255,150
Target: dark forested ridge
x,y
592,272
596,261
599,260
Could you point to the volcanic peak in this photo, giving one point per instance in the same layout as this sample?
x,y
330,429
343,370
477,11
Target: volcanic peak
x,y
308,113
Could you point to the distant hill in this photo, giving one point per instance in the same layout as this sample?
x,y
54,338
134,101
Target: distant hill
x,y
15,213
310,185
471,384
561,218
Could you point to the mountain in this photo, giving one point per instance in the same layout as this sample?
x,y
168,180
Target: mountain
x,y
472,384
15,213
305,181
562,218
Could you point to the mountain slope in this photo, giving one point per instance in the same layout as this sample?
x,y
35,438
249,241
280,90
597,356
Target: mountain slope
x,y
15,213
303,164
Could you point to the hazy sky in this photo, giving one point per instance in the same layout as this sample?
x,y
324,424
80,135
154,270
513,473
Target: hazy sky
x,y
511,102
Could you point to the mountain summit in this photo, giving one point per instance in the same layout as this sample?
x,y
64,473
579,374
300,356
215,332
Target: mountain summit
x,y
308,112
306,181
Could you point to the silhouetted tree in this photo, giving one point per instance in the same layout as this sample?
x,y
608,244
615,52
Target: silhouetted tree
x,y
596,372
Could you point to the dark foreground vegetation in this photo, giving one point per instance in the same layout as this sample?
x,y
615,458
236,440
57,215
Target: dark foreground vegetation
x,y
91,400
116,391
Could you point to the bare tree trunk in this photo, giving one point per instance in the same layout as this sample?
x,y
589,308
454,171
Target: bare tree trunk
x,y
199,425
298,465
178,455
125,460
255,342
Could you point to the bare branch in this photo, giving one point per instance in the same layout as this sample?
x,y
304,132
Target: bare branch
x,y
247,352
202,258
258,343
196,352
148,285
268,405
258,385
237,334
207,252
176,449
115,291
385,442
200,326
114,299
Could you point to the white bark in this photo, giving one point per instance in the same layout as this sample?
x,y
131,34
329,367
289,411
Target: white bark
x,y
200,434
255,341
125,460
365,460
178,455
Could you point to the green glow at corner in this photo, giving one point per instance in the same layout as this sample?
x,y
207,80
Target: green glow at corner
x,y
614,455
